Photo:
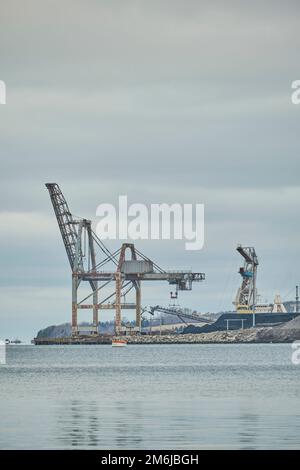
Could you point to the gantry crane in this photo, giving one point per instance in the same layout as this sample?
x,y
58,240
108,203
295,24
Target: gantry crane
x,y
81,244
246,296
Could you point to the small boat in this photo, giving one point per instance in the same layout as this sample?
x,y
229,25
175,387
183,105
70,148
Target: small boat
x,y
119,343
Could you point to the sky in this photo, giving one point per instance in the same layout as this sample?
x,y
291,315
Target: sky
x,y
162,101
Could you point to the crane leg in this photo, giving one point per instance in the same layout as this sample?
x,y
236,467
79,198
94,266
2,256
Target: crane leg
x,y
74,304
118,302
95,308
138,315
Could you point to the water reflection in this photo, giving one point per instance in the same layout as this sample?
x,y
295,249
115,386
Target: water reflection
x,y
206,396
247,436
122,424
84,423
78,424
128,424
128,427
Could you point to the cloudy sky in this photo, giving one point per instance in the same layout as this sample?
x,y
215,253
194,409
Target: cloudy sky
x,y
165,101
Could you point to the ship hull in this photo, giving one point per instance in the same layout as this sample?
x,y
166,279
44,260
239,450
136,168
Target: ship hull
x,y
236,321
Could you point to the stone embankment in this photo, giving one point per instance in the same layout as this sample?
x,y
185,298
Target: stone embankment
x,y
253,335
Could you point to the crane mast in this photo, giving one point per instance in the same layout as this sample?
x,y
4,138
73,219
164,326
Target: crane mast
x,y
246,296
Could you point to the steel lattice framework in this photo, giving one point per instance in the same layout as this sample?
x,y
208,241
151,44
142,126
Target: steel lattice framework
x,y
75,231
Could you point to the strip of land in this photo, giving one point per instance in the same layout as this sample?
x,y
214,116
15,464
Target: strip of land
x,y
252,335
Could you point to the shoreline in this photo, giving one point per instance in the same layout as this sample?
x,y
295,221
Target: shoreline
x,y
247,336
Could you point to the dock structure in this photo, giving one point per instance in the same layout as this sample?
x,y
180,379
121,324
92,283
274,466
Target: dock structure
x,y
82,246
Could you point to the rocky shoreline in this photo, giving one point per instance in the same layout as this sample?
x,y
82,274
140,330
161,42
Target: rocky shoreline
x,y
284,333
257,335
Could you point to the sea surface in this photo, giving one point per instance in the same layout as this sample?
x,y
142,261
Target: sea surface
x,y
150,397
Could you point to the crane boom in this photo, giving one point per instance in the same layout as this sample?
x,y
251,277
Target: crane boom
x,y
65,220
248,253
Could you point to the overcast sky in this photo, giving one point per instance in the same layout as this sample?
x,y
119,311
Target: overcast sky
x,y
165,101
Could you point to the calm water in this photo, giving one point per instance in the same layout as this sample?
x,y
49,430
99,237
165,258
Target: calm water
x,y
152,397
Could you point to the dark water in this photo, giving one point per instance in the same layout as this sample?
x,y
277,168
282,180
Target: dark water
x,y
153,397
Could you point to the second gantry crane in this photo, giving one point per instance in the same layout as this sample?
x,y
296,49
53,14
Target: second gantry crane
x,y
246,296
82,244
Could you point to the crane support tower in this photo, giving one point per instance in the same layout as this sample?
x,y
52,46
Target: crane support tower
x,y
246,296
82,246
